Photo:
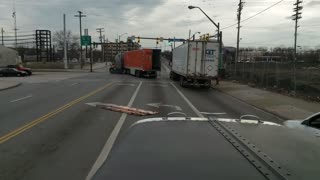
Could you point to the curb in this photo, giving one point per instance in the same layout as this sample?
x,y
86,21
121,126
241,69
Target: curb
x,y
282,118
58,70
16,85
66,70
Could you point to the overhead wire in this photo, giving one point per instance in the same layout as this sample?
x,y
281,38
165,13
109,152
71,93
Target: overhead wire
x,y
260,12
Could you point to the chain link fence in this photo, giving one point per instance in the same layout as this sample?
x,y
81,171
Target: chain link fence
x,y
304,80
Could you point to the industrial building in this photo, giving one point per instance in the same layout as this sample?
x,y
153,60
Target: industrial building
x,y
113,48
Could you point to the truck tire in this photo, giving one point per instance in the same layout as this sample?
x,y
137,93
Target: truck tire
x,y
171,75
137,73
155,76
182,81
207,85
174,76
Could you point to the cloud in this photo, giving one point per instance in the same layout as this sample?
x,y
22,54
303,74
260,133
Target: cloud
x,y
162,18
313,3
188,22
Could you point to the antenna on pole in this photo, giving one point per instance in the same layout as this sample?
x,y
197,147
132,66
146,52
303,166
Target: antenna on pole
x,y
14,15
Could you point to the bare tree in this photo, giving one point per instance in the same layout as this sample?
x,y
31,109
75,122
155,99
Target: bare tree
x,y
72,43
72,40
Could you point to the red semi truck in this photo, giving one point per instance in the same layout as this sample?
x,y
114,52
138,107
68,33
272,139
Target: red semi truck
x,y
141,63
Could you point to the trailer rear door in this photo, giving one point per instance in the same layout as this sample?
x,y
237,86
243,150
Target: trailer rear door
x,y
210,59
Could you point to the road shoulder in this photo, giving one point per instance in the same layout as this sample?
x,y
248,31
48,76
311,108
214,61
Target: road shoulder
x,y
280,105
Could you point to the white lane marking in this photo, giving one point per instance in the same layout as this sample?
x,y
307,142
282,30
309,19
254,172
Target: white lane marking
x,y
112,138
188,102
16,100
74,84
158,85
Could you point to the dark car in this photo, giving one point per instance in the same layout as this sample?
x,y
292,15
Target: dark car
x,y
21,68
12,72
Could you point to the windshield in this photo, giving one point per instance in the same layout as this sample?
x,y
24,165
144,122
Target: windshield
x,y
83,72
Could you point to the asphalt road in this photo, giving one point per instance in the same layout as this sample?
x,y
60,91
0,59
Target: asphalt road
x,y
47,131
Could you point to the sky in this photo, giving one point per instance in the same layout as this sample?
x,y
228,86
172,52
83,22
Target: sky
x,y
168,19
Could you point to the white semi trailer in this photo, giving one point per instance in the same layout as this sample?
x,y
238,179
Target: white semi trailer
x,y
195,63
8,57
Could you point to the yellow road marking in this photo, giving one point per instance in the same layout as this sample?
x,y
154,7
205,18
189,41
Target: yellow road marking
x,y
37,121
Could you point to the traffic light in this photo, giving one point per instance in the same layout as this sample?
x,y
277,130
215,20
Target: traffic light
x,y
138,39
157,41
207,36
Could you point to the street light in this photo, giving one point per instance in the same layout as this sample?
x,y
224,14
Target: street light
x,y
119,41
219,33
121,36
193,36
193,7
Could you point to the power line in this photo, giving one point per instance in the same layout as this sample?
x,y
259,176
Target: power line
x,y
18,39
254,14
27,42
26,35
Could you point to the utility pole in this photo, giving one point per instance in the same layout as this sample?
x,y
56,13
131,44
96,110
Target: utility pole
x,y
296,16
238,35
2,31
65,58
100,31
81,15
86,33
14,15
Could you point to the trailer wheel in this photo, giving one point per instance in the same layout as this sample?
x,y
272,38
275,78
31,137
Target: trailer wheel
x,y
171,75
174,76
155,76
207,85
182,81
137,73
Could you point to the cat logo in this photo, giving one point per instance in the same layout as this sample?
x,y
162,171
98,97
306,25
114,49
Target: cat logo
x,y
210,54
210,51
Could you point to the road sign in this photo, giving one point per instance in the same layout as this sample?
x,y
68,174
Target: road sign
x,y
85,40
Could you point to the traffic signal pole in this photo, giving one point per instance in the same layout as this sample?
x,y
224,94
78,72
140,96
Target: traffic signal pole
x,y
91,58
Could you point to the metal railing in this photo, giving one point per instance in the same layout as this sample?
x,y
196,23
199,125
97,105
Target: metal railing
x,y
279,76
